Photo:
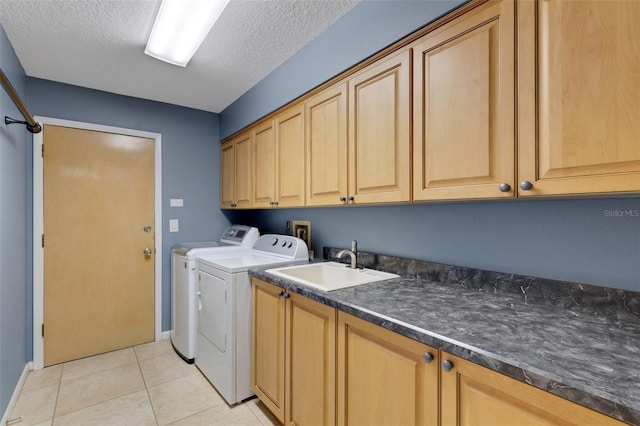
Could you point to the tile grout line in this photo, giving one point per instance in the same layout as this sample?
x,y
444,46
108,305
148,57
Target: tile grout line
x,y
146,388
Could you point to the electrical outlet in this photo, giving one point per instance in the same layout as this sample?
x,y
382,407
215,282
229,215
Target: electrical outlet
x,y
302,230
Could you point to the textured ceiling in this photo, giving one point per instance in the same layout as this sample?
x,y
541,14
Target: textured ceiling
x,y
100,44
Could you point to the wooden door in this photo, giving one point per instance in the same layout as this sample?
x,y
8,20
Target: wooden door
x,y
268,335
264,163
464,134
290,157
579,96
383,378
473,395
379,132
310,386
227,175
243,167
326,138
99,290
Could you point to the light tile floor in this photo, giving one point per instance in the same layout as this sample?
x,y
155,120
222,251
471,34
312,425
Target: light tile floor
x,y
144,385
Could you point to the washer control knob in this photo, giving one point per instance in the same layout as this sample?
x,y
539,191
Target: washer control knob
x,y
275,241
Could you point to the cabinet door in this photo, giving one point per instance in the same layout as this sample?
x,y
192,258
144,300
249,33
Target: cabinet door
x,y
326,131
474,395
311,363
243,150
464,137
579,96
268,335
227,175
379,132
264,164
290,157
383,378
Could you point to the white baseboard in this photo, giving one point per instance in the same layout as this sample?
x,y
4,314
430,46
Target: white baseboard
x,y
16,392
166,335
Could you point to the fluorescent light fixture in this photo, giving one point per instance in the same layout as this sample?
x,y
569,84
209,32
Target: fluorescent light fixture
x,y
180,29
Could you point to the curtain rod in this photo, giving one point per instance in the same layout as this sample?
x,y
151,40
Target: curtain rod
x,y
32,125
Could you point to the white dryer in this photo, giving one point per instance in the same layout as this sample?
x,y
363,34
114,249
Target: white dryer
x,y
224,311
184,286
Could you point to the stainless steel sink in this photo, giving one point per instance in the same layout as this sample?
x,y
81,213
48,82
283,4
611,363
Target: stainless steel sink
x,y
330,276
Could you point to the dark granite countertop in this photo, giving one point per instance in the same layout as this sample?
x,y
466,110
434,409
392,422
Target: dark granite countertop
x,y
577,341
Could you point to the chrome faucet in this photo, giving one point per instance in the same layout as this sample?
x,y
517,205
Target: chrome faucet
x,y
353,253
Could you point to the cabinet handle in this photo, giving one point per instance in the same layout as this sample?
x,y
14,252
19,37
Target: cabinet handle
x,y
281,293
505,187
343,199
287,295
350,199
447,365
233,205
525,185
275,203
427,357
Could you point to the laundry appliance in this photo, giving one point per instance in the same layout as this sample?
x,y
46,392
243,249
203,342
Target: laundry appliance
x,y
235,238
224,311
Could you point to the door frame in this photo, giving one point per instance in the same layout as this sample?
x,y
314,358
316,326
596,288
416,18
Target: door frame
x,y
38,225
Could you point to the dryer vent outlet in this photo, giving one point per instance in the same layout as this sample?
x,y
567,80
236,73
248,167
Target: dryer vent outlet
x,y
302,230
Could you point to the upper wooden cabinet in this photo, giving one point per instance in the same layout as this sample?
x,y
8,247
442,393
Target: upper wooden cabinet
x,y
278,160
236,173
380,132
463,107
474,395
578,96
264,165
326,139
290,157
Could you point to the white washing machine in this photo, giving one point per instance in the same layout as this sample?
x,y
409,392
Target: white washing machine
x,y
224,311
184,286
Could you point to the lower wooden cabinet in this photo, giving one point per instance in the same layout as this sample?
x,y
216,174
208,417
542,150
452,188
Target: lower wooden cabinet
x,y
293,356
384,378
474,395
313,365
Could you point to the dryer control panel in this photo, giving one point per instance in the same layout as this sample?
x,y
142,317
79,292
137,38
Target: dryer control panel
x,y
282,245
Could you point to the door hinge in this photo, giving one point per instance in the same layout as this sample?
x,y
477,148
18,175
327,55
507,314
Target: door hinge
x,y
43,330
43,240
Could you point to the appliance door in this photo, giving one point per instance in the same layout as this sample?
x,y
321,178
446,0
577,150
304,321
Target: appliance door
x,y
183,306
216,356
212,310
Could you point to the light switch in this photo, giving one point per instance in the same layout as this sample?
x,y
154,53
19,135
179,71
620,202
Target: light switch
x,y
174,226
176,202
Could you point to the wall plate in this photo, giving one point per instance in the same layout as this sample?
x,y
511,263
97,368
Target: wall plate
x,y
302,230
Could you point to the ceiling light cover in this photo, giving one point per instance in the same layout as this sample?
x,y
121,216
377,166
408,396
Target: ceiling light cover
x,y
180,28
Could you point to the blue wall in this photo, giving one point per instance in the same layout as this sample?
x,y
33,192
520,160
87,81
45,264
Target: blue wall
x,y
190,157
15,221
571,240
365,30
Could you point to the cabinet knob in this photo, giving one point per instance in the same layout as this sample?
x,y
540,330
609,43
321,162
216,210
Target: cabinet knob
x,y
447,365
287,295
427,357
350,199
505,187
525,185
281,293
343,199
